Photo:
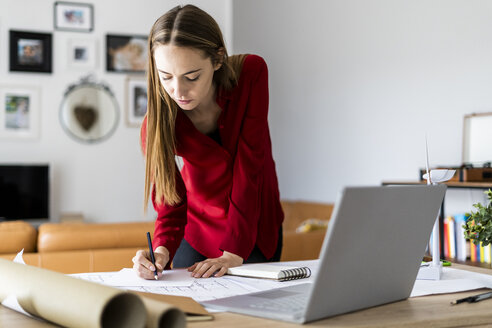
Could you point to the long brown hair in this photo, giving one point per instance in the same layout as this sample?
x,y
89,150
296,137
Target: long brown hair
x,y
183,26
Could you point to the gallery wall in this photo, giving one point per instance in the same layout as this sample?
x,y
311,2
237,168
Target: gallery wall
x,y
102,181
356,85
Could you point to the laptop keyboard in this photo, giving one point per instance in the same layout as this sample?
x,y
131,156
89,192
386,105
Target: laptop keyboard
x,y
293,303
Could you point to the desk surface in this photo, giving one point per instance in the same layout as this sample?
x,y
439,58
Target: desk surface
x,y
426,311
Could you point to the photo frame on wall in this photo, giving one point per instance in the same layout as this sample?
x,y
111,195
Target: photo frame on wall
x,y
73,16
30,51
19,112
82,54
126,53
136,100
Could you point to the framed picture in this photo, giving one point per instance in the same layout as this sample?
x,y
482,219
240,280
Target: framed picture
x,y
82,54
73,16
19,112
126,54
30,52
136,100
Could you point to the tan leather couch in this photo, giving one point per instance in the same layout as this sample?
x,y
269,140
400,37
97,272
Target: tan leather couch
x,y
75,247
95,247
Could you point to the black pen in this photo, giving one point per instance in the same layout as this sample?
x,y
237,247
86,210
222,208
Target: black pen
x,y
473,299
152,258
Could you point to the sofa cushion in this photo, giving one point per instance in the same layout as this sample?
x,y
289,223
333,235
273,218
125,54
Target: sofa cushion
x,y
98,260
312,225
54,237
302,246
298,211
16,235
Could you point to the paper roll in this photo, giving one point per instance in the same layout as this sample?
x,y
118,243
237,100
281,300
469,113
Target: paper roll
x,y
162,315
69,301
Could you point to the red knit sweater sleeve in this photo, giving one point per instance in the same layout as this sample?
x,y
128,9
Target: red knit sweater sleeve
x,y
244,208
171,220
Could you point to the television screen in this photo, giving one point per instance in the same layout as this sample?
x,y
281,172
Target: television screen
x,y
24,192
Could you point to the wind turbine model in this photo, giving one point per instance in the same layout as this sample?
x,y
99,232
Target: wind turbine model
x,y
432,270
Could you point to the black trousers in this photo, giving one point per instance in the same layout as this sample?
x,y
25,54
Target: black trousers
x,y
187,256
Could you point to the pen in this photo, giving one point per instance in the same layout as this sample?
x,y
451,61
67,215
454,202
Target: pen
x,y
473,299
152,258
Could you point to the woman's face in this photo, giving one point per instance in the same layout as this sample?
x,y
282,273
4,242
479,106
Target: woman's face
x,y
186,75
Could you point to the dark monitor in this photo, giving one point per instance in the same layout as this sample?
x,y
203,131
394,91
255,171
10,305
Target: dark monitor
x,y
24,192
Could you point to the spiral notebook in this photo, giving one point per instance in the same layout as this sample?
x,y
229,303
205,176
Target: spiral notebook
x,y
270,271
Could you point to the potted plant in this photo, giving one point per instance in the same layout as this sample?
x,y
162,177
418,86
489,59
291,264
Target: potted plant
x,y
478,226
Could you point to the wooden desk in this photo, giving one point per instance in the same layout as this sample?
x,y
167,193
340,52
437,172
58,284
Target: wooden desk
x,y
426,311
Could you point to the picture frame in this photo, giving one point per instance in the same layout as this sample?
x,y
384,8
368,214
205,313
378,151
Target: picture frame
x,y
136,100
73,16
19,112
81,54
126,53
475,131
30,51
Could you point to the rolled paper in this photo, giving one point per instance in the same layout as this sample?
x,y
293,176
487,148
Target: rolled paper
x,y
162,315
69,301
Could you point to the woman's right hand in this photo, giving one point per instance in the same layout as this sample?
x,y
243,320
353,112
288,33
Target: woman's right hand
x,y
143,267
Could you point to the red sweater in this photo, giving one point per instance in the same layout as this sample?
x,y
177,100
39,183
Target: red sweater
x,y
230,198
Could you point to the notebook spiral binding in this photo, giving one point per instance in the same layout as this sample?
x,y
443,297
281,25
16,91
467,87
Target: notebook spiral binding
x,y
296,273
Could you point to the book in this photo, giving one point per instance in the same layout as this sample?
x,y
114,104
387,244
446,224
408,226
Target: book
x,y
449,237
461,247
431,241
270,271
473,252
487,254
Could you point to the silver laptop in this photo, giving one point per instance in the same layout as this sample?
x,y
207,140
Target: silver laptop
x,y
371,255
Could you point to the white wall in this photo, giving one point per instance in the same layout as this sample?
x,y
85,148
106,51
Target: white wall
x,y
356,84
103,181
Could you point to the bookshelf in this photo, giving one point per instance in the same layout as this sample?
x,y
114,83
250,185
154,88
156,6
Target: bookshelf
x,y
451,185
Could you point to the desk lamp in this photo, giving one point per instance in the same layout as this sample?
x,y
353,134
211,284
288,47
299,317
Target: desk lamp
x,y
432,270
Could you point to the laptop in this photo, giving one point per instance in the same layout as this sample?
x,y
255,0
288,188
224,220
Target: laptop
x,y
371,255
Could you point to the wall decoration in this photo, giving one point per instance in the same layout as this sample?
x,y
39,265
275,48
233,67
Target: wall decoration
x,y
30,52
75,17
19,112
89,112
126,54
82,54
136,100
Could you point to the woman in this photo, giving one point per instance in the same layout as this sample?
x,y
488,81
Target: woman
x,y
223,208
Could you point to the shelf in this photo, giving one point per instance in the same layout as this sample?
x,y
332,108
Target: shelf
x,y
451,184
428,258
468,262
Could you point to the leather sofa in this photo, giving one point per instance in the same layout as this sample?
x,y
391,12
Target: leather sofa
x,y
75,247
99,247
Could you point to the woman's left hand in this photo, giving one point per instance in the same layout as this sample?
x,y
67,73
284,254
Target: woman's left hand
x,y
216,267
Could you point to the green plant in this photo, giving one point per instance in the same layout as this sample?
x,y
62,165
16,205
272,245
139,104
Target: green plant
x,y
478,226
